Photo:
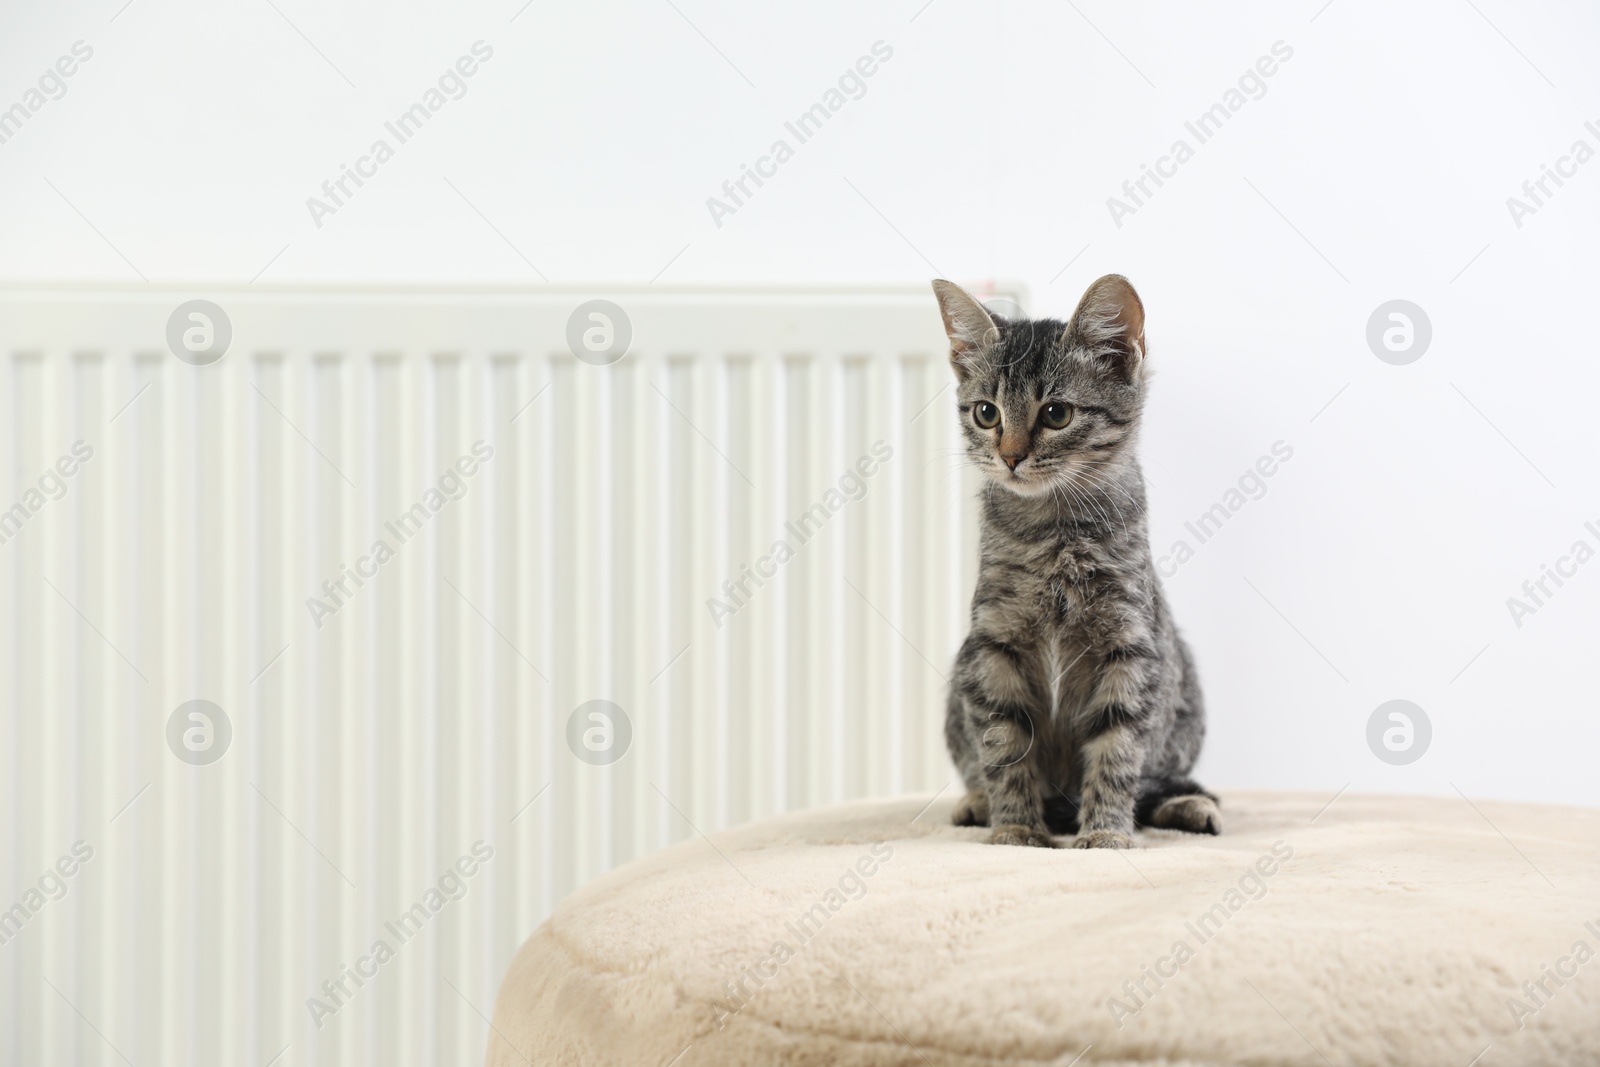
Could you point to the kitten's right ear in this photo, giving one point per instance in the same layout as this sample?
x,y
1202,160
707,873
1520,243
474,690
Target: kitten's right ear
x,y
967,322
1110,319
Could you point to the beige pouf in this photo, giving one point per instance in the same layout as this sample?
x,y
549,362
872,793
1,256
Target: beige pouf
x,y
1383,930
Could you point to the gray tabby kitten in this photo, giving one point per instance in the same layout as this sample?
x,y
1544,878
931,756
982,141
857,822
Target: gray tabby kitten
x,y
1074,707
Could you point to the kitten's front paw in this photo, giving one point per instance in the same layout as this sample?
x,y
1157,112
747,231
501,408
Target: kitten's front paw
x,y
1017,834
972,809
1103,839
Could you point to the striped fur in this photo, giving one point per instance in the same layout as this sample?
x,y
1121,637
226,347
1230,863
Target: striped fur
x,y
1074,706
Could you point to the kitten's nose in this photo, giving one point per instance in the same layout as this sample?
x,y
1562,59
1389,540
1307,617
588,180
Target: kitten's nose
x,y
1013,448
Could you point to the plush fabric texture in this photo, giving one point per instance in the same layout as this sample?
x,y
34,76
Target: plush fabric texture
x,y
1398,930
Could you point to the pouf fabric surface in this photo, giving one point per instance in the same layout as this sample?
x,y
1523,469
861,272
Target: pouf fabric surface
x,y
1375,930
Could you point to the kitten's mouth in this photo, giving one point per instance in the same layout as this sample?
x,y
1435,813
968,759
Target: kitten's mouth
x,y
1026,483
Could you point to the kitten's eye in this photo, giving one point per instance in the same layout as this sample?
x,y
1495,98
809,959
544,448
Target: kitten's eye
x,y
986,415
1056,415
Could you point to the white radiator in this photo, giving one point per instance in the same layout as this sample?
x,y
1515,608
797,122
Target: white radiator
x,y
379,737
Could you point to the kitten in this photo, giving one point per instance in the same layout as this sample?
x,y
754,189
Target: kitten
x,y
1074,706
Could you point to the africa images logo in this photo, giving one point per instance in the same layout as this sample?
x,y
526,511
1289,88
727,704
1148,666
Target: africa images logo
x,y
852,85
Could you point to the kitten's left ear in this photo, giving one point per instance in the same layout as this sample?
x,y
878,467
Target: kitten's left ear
x,y
1110,319
967,322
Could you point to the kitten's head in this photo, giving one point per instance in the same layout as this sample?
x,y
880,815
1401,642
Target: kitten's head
x,y
1046,403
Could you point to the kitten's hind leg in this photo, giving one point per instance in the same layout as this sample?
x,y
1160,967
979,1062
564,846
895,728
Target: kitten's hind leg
x,y
972,809
1177,804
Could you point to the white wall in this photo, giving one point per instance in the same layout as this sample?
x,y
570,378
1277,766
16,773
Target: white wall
x,y
1376,166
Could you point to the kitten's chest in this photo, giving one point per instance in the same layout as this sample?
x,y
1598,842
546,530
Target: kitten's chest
x,y
1075,609
1073,579
1052,593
